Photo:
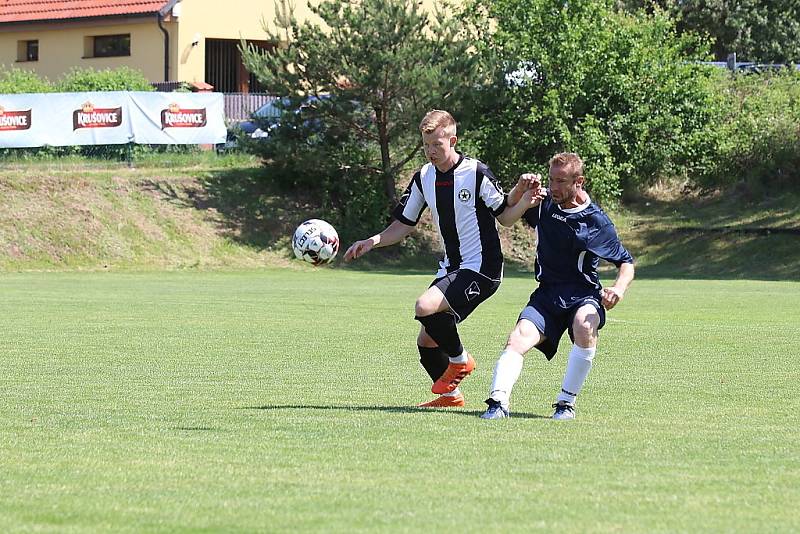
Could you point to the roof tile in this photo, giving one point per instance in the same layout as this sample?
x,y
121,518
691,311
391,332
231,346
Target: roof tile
x,y
45,10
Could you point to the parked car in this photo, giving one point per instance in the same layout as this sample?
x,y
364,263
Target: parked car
x,y
264,120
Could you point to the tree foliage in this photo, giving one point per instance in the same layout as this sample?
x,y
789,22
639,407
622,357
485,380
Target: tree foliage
x,y
766,32
372,68
620,90
759,135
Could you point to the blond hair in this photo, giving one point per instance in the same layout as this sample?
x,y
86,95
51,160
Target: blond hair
x,y
436,119
568,159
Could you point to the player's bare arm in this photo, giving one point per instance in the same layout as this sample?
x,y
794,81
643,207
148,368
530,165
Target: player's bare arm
x,y
394,233
613,295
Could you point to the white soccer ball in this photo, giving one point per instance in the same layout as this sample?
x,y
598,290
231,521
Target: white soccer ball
x,y
315,241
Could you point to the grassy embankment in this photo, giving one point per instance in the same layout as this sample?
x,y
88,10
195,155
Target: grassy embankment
x,y
206,212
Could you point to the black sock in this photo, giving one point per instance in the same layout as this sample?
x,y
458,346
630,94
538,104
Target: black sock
x,y
442,329
433,360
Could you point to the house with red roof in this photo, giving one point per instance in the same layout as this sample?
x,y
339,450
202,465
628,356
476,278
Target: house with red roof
x,y
194,41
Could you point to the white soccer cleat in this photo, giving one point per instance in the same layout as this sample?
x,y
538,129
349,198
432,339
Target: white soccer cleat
x,y
495,410
564,411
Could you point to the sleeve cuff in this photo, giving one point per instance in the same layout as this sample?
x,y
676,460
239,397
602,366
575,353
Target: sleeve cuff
x,y
404,220
502,207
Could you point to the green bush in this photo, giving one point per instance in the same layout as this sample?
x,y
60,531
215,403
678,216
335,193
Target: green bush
x,y
120,79
759,138
621,90
16,81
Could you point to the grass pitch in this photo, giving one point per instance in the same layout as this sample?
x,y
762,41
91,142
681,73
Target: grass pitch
x,y
282,401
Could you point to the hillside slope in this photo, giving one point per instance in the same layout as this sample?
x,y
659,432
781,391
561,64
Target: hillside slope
x,y
717,236
103,216
206,212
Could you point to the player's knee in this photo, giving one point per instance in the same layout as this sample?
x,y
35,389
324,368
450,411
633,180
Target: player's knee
x,y
517,345
584,329
523,338
425,306
584,337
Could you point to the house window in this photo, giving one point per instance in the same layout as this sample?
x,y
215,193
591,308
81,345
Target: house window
x,y
111,45
27,50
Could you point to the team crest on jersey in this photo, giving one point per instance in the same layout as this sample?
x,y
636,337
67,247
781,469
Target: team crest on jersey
x,y
472,291
464,195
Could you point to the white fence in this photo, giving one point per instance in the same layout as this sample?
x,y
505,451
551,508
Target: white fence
x,y
239,106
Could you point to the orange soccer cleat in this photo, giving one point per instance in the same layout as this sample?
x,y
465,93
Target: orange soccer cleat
x,y
453,375
444,402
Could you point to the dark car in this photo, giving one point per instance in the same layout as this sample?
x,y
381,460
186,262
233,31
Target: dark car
x,y
266,118
263,119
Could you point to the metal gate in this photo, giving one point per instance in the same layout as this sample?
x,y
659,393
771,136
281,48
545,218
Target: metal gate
x,y
224,67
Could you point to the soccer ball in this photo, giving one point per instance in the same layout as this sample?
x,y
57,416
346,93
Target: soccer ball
x,y
315,241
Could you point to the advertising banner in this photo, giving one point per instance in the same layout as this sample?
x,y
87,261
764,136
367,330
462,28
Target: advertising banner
x,y
178,118
111,118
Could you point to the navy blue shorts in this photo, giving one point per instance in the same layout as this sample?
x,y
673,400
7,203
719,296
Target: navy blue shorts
x,y
552,308
464,289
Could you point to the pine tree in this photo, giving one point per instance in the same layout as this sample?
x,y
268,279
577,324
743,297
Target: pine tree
x,y
387,60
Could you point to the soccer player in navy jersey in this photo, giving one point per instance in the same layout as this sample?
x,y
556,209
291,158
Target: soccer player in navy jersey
x,y
464,199
573,234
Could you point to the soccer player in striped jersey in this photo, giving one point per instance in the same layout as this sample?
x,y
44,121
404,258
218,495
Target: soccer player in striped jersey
x,y
465,200
573,234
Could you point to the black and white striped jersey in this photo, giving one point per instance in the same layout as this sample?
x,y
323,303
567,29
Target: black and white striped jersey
x,y
464,202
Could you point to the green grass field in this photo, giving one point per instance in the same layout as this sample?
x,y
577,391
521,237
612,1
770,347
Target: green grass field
x,y
282,401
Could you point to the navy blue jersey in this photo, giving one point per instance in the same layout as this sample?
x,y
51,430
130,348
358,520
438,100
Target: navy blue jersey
x,y
464,202
571,242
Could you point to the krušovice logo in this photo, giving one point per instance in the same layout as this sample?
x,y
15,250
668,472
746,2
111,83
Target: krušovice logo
x,y
176,117
91,117
14,120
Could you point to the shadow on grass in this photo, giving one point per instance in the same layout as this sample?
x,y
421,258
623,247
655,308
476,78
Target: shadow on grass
x,y
722,237
717,254
247,209
681,239
252,212
389,409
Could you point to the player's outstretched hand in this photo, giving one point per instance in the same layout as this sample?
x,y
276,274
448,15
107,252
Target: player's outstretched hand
x,y
612,296
358,249
530,181
525,183
534,196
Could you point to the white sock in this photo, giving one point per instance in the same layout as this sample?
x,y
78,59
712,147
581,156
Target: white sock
x,y
506,373
459,359
456,392
578,365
